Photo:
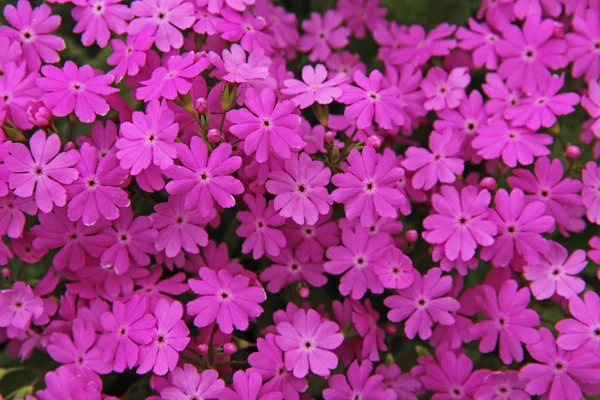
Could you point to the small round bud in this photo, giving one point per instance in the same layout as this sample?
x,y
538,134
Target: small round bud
x,y
229,348
373,141
412,236
202,349
38,113
329,136
201,105
391,329
6,272
488,183
304,292
573,152
69,146
214,136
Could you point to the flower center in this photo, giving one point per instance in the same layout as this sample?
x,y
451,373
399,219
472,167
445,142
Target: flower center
x,y
18,305
73,236
91,183
224,296
443,89
77,86
151,139
511,229
308,345
597,46
204,177
470,126
503,390
462,221
301,189
308,232
360,262
267,123
512,135
294,267
179,220
260,224
98,8
123,237
249,28
545,193
160,339
556,271
422,302
322,35
374,96
38,171
395,270
370,187
529,54
559,366
27,35
501,321
491,38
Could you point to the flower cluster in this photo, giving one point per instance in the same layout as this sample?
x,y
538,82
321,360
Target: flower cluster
x,y
218,199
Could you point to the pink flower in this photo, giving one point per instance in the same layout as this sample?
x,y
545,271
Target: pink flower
x,y
287,268
69,382
299,189
156,290
591,103
361,14
314,87
187,383
170,338
76,89
481,40
129,57
365,320
582,331
590,196
553,273
501,98
373,98
149,138
178,228
417,47
461,222
234,67
368,188
215,6
259,227
246,29
228,300
422,303
309,240
128,326
32,29
307,342
509,321
96,20
97,192
444,90
358,383
583,47
322,34
166,20
18,90
12,214
499,385
46,172
248,386
266,125
404,385
18,306
528,54
394,269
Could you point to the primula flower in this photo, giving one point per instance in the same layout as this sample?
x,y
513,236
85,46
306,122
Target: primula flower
x,y
307,342
245,29
12,214
509,321
439,164
266,125
19,306
368,188
422,303
228,300
70,382
170,338
96,193
32,28
186,383
372,99
583,44
582,331
128,57
259,226
358,383
356,260
590,195
76,89
365,320
309,240
501,98
553,273
394,269
287,268
300,189
18,90
417,46
156,290
361,14
444,90
322,34
528,54
461,223
314,87
404,385
149,138
591,103
96,20
215,6
42,168
165,21
248,386
235,68
502,385
481,40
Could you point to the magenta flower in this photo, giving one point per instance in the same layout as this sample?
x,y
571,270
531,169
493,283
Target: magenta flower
x,y
215,6
170,338
404,385
314,87
96,20
300,189
287,268
69,382
44,170
228,300
372,99
481,40
440,164
591,103
186,383
590,195
178,228
553,273
583,330
509,321
394,269
76,89
149,138
461,222
501,98
12,214
359,383
323,33
259,227
528,54
19,306
422,303
266,125
129,57
248,386
368,188
245,29
128,326
32,28
417,46
234,67
18,91
165,20
309,240
97,192
583,44
204,180
307,343
514,145
500,385
443,90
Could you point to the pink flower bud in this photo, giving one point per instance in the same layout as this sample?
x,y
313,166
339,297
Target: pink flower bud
x,y
391,329
6,272
38,113
214,136
329,136
229,348
304,292
573,152
69,146
202,349
373,141
201,105
412,236
488,183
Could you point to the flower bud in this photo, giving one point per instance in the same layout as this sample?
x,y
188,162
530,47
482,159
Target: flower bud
x,y
201,105
329,137
69,146
304,292
38,113
373,141
6,272
202,349
228,96
322,113
229,348
214,136
488,183
391,329
573,152
412,236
